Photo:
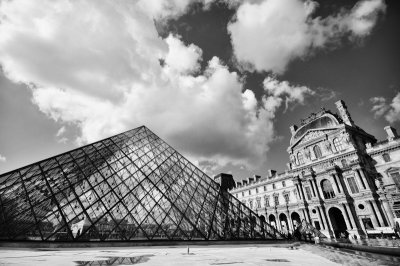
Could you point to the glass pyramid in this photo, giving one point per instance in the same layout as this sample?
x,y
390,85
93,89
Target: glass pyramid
x,y
132,186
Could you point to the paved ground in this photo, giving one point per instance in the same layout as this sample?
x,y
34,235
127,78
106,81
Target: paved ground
x,y
178,255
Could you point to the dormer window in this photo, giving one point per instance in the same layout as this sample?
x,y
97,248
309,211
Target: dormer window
x,y
337,144
300,158
386,157
317,151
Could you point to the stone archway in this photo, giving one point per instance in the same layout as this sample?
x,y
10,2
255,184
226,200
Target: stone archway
x,y
272,221
337,220
262,218
296,220
284,222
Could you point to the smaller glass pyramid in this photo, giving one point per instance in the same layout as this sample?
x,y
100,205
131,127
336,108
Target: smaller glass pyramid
x,y
132,186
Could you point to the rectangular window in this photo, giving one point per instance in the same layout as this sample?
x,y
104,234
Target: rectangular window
x,y
273,186
265,188
283,184
242,193
276,200
249,191
251,204
286,198
256,189
308,192
353,185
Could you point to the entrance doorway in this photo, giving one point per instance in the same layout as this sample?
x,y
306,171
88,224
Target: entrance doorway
x,y
284,222
272,220
295,219
338,222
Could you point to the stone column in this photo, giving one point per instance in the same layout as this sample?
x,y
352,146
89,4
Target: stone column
x,y
302,191
298,191
317,189
337,183
373,217
321,194
362,183
364,178
278,221
290,222
328,222
334,185
303,211
350,213
323,223
378,213
388,211
312,187
346,218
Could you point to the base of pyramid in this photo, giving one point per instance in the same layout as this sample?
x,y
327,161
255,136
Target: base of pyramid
x,y
88,244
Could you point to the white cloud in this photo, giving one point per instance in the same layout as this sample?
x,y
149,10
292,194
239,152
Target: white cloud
x,y
96,64
3,159
390,111
181,58
283,90
267,35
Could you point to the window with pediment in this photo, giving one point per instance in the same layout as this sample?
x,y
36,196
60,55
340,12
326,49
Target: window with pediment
x,y
266,201
258,201
317,151
276,200
286,196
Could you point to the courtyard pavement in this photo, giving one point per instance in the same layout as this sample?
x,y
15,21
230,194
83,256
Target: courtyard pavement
x,y
178,255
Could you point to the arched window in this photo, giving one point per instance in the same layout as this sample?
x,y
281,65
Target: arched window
x,y
327,189
300,158
337,144
317,151
386,157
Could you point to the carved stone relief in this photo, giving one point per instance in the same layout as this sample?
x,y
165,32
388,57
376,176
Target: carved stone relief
x,y
311,135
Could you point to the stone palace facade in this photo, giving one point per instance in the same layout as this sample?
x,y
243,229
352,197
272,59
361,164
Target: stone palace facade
x,y
340,179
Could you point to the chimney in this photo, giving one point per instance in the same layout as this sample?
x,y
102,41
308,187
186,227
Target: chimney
x,y
391,133
257,177
344,114
225,181
250,179
293,129
271,173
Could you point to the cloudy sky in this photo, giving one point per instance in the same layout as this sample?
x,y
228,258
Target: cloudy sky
x,y
221,81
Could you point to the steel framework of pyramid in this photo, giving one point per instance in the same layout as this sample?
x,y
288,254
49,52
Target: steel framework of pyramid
x,y
132,186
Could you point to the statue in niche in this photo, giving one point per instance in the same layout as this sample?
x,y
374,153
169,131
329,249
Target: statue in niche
x,y
307,153
346,138
292,159
328,146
